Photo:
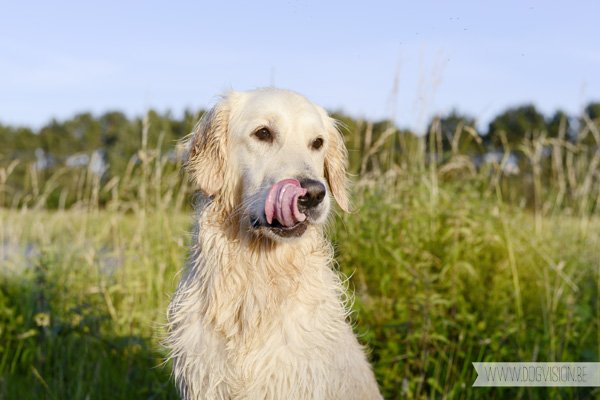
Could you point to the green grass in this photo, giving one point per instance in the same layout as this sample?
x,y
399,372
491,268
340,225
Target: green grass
x,y
435,289
82,303
83,294
449,265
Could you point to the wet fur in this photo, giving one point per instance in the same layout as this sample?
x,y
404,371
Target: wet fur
x,y
254,317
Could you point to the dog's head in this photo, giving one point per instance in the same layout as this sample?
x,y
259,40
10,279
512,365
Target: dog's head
x,y
273,157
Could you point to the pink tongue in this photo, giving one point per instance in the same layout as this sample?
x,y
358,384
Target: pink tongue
x,y
282,202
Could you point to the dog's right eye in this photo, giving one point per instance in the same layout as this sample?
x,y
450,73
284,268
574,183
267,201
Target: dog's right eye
x,y
264,135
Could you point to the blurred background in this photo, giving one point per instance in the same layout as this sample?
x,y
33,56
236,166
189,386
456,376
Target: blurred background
x,y
473,132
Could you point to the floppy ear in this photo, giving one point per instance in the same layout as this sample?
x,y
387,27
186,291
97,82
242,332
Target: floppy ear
x,y
206,162
336,160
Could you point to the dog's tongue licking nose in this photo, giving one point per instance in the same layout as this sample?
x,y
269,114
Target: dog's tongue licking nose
x,y
282,202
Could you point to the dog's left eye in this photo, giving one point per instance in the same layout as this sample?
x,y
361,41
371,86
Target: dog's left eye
x,y
317,144
264,135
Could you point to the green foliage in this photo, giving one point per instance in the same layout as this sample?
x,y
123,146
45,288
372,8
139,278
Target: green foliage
x,y
451,262
589,132
516,124
592,110
434,290
83,293
85,131
63,154
445,128
17,143
80,311
560,121
56,141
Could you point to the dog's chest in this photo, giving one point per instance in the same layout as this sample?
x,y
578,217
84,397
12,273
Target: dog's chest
x,y
277,325
291,341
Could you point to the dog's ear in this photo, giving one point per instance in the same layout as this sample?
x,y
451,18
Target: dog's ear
x,y
206,162
336,161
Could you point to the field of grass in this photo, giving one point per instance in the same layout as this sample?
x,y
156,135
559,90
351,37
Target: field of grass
x,y
446,271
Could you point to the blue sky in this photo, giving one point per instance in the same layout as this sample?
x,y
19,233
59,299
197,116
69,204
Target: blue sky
x,y
372,59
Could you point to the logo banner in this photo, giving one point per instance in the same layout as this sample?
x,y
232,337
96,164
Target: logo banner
x,y
537,374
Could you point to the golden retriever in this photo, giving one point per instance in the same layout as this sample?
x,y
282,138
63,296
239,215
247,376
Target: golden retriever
x,y
259,312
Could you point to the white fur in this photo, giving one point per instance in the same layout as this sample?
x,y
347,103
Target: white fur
x,y
256,315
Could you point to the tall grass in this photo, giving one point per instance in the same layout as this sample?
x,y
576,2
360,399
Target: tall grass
x,y
450,263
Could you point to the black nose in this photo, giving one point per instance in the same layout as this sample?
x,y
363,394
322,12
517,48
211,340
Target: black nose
x,y
315,193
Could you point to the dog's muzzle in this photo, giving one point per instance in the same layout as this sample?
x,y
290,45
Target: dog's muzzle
x,y
289,206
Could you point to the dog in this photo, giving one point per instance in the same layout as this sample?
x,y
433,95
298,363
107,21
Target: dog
x,y
259,312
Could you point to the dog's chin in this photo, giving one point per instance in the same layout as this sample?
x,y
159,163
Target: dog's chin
x,y
278,232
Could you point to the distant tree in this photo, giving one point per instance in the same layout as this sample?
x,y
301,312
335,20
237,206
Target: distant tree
x,y
593,111
448,127
17,144
7,138
25,143
560,120
85,131
56,141
516,123
589,124
190,119
164,126
362,136
447,131
180,128
121,139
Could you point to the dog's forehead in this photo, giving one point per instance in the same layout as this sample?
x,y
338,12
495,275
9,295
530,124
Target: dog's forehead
x,y
280,107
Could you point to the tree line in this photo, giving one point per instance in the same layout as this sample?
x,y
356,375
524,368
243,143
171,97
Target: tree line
x,y
115,140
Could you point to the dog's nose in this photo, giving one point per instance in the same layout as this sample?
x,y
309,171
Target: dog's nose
x,y
315,193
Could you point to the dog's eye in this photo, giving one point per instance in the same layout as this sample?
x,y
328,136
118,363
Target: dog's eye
x,y
317,144
264,135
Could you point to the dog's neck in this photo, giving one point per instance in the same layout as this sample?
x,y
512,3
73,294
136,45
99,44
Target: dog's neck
x,y
241,245
235,269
